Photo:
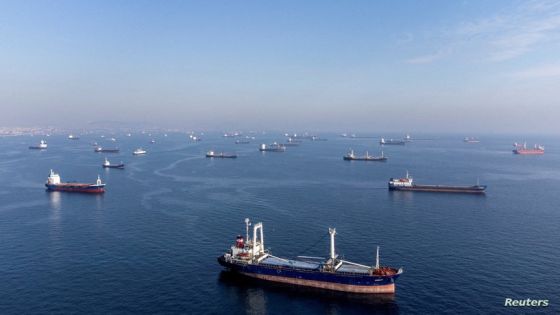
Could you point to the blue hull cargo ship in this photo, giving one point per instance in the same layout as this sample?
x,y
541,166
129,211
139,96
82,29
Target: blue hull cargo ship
x,y
251,259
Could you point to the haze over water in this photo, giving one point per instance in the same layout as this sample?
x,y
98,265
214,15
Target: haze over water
x,y
150,243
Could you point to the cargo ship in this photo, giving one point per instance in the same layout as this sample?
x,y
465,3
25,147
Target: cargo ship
x,y
73,137
54,184
41,146
407,138
350,156
391,142
105,150
242,141
139,151
523,150
471,140
274,147
212,154
108,164
407,184
249,257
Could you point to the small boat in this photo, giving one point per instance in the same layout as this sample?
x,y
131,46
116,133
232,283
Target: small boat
x,y
350,156
54,183
108,164
391,142
73,137
113,139
152,141
212,154
249,257
471,140
139,151
41,146
523,150
274,147
105,150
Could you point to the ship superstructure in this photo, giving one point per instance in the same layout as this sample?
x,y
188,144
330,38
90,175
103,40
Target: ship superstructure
x,y
250,258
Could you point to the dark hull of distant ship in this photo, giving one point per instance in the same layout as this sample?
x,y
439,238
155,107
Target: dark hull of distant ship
x,y
393,142
36,148
120,166
273,149
107,150
372,158
344,282
222,156
475,189
77,187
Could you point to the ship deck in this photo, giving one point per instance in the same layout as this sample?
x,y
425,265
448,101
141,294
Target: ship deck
x,y
312,266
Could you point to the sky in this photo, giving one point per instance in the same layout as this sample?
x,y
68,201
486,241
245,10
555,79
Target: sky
x,y
399,66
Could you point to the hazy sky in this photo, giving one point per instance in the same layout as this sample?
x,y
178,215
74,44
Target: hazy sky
x,y
410,66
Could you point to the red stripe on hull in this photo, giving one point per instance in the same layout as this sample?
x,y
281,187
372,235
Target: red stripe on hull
x,y
89,191
383,289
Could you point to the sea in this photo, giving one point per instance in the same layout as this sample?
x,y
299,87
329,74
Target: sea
x,y
149,244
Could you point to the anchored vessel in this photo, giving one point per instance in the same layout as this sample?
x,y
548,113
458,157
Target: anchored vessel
x,y
105,150
249,257
407,185
54,184
41,146
391,141
108,164
73,137
350,156
212,154
471,140
523,150
242,141
139,151
274,147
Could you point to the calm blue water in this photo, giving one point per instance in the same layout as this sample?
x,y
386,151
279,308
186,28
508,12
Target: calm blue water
x,y
150,243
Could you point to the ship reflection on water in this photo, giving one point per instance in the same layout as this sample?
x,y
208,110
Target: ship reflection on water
x,y
256,293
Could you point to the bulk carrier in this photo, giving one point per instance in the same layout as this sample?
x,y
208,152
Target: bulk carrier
x,y
54,184
350,156
523,150
248,257
406,184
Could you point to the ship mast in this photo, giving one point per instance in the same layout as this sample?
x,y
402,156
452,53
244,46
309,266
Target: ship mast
x,y
377,259
332,232
247,224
